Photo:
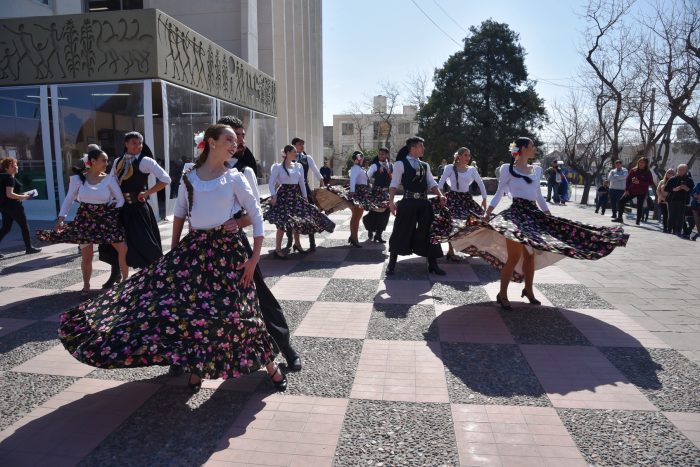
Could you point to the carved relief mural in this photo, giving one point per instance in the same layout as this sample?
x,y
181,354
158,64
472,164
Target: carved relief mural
x,y
136,44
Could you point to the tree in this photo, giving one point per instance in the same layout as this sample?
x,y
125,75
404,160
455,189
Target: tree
x,y
416,86
386,113
482,99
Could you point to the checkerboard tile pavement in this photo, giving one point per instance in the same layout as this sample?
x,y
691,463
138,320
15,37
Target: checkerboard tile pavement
x,y
400,387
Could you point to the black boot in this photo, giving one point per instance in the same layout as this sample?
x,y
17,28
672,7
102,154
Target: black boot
x,y
312,242
30,250
392,264
434,268
378,237
292,357
290,240
114,277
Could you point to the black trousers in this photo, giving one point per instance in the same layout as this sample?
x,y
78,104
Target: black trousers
x,y
676,216
411,233
271,310
376,221
602,203
142,238
663,213
641,201
615,196
15,213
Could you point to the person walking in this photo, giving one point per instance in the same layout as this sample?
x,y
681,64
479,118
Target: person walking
x,y
661,196
618,181
678,190
11,198
639,179
601,197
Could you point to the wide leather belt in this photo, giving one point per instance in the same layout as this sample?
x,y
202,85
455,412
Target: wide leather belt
x,y
415,195
131,197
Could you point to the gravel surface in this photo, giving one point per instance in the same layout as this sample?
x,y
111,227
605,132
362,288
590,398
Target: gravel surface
x,y
44,306
380,433
458,293
172,428
329,367
149,374
668,379
349,290
572,296
314,269
64,279
271,280
365,255
26,343
486,273
490,374
541,325
617,437
294,312
403,322
20,393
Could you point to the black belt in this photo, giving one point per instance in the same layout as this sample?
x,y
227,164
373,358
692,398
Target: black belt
x,y
131,197
415,195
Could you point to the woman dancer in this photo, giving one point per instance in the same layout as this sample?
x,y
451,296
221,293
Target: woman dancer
x,y
460,203
637,186
196,307
288,208
358,194
97,220
380,171
523,238
11,198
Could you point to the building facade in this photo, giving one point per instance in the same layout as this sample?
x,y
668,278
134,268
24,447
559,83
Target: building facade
x,y
68,80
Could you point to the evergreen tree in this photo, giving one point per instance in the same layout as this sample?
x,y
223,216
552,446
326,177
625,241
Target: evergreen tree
x,y
482,99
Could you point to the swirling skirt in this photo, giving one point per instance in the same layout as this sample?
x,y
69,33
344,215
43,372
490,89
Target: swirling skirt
x,y
293,212
186,309
369,200
93,223
550,238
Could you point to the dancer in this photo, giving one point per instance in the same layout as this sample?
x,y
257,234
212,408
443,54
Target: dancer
x,y
523,238
359,191
460,203
97,220
288,207
11,198
244,156
381,171
637,186
196,307
142,234
414,213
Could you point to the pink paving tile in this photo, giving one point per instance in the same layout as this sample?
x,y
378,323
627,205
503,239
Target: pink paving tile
x,y
410,371
509,435
8,325
688,423
341,320
471,324
246,383
19,294
299,288
416,292
98,278
612,328
554,275
581,377
71,424
514,291
19,279
283,430
55,361
359,271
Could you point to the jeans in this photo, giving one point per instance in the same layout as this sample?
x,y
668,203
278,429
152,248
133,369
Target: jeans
x,y
615,196
602,204
663,213
15,213
641,201
676,216
553,187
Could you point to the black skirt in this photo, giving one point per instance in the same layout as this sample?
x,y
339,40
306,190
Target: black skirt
x,y
142,237
93,223
294,212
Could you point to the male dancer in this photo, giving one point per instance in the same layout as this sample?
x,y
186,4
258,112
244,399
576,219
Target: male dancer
x,y
307,163
142,234
381,169
414,214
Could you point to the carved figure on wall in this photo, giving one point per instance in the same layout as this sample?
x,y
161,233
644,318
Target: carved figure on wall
x,y
51,48
26,48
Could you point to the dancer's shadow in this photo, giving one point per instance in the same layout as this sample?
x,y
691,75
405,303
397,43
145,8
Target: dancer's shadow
x,y
39,262
43,307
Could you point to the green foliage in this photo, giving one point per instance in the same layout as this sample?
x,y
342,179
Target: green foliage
x,y
482,99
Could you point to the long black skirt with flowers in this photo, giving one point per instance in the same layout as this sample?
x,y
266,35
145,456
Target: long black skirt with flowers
x,y
293,212
364,197
93,223
459,215
550,238
186,309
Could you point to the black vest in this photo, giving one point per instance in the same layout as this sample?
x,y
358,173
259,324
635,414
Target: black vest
x,y
382,179
138,182
409,179
304,164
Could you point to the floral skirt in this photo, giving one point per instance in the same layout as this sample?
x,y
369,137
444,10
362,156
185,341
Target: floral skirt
x,y
364,197
548,237
441,227
293,212
186,309
93,223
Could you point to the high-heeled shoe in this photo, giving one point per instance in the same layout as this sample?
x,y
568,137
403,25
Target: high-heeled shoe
x,y
505,304
531,298
354,242
280,385
194,387
277,255
299,249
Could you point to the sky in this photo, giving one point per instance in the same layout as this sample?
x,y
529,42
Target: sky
x,y
366,42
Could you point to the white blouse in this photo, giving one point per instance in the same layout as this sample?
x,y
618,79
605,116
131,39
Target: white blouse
x,y
358,176
216,201
518,187
294,177
247,172
102,193
398,173
149,166
466,178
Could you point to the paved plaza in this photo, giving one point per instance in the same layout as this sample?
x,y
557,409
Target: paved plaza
x,y
414,369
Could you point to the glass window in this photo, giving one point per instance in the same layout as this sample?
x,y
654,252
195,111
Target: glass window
x,y
112,5
347,129
404,128
21,137
100,114
264,148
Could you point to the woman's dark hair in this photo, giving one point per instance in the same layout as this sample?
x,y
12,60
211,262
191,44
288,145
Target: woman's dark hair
x,y
6,163
520,143
213,132
80,168
403,152
356,155
287,148
642,159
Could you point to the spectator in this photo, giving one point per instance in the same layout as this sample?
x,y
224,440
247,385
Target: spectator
x,y
695,207
441,168
326,172
617,178
678,189
563,187
601,197
637,186
661,199
11,198
552,183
